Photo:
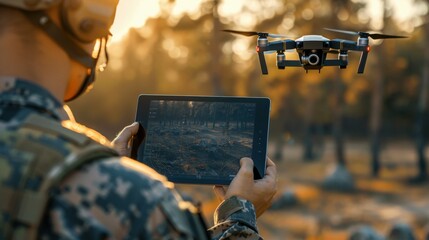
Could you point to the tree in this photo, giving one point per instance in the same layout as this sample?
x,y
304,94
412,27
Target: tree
x,y
377,104
215,50
421,113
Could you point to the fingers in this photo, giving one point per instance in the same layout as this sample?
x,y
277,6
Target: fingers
x,y
242,181
271,168
270,162
246,168
122,141
269,181
125,135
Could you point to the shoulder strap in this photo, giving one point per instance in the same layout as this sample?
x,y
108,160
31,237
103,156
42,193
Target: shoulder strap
x,y
50,164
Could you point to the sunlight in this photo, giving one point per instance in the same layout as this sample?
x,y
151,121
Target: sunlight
x,y
402,11
132,13
185,6
228,9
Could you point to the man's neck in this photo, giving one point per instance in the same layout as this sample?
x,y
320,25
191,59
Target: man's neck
x,y
38,62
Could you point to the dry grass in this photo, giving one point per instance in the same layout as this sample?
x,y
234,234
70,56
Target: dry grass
x,y
325,215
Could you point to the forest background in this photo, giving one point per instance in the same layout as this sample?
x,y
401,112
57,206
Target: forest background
x,y
186,53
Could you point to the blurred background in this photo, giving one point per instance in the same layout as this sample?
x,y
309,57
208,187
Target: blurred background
x,y
368,130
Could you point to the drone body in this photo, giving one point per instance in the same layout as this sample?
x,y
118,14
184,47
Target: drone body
x,y
313,49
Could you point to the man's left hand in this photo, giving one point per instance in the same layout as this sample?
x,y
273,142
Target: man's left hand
x,y
122,142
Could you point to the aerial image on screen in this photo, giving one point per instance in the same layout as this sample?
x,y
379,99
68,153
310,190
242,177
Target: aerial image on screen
x,y
203,139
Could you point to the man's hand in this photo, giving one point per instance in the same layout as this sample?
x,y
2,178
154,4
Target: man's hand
x,y
122,142
260,192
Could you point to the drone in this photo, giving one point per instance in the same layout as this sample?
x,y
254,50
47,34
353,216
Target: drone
x,y
313,49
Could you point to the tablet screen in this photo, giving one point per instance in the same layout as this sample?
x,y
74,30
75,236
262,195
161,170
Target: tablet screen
x,y
191,140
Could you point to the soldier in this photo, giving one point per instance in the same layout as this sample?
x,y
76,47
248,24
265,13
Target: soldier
x,y
61,180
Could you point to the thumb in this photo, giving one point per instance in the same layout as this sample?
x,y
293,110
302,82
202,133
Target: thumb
x,y
125,135
246,168
220,192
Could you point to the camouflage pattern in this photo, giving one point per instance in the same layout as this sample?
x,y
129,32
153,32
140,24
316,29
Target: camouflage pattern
x,y
111,198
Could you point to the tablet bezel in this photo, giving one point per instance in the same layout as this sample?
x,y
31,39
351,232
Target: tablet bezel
x,y
260,133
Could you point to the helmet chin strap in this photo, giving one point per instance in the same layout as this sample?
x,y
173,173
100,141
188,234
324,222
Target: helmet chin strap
x,y
74,51
90,77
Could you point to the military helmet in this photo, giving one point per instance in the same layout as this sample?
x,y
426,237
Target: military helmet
x,y
84,21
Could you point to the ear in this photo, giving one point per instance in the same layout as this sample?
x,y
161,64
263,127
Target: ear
x,y
88,20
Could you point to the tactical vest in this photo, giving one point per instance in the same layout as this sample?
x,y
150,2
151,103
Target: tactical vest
x,y
24,207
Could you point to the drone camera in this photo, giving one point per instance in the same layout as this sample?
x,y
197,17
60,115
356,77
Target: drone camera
x,y
313,49
312,59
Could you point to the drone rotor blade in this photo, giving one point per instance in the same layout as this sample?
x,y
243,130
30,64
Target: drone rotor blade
x,y
342,31
276,36
365,34
250,33
264,68
384,36
245,33
265,52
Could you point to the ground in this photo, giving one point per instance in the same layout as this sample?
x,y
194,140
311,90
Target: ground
x,y
320,214
203,151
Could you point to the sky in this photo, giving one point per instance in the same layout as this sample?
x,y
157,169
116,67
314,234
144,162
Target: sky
x,y
134,13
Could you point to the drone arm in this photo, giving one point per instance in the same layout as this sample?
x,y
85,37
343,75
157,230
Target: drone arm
x,y
341,44
292,63
289,63
334,62
264,68
275,46
362,61
281,45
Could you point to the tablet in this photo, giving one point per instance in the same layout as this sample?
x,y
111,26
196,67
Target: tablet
x,y
201,139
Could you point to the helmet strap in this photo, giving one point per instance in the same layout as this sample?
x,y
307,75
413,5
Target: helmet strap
x,y
73,50
42,20
90,77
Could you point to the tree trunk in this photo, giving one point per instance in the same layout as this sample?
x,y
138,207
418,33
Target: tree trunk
x,y
308,153
420,116
377,105
338,119
215,51
376,116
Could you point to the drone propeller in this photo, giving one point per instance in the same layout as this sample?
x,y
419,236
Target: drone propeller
x,y
265,52
365,34
249,34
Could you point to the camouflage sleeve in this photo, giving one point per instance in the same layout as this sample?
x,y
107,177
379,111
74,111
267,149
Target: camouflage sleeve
x,y
235,218
123,199
114,199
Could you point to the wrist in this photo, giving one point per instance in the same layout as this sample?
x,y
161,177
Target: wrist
x,y
236,209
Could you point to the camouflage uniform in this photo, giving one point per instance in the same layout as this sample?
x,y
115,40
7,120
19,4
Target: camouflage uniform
x,y
111,198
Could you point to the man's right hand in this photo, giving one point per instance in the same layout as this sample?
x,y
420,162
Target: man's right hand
x,y
260,192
